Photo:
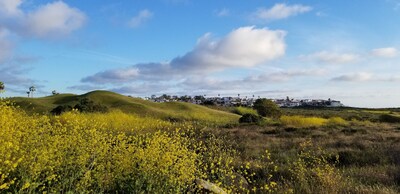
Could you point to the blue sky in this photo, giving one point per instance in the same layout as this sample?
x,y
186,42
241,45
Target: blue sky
x,y
344,50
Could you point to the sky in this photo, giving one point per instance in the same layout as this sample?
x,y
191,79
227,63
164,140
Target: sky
x,y
343,50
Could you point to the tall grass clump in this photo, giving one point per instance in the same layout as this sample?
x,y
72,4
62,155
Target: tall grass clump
x,y
311,172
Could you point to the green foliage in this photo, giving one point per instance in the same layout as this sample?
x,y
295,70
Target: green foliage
x,y
250,118
61,109
2,87
87,105
267,108
388,118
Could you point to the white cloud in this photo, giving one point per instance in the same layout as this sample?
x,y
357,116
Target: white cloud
x,y
332,57
51,20
139,19
388,52
54,19
280,11
223,12
10,8
242,48
355,77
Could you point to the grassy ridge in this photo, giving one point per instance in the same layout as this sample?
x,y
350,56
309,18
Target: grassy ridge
x,y
140,107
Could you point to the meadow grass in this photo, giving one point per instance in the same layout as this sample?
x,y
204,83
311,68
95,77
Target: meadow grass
x,y
244,110
170,111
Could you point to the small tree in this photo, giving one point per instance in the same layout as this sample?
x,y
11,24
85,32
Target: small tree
x,y
54,92
267,108
249,118
2,87
61,109
87,105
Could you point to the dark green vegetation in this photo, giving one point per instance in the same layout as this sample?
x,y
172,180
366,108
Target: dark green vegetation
x,y
267,108
364,148
250,118
174,111
2,87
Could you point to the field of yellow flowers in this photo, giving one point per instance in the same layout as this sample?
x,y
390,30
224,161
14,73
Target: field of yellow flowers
x,y
110,152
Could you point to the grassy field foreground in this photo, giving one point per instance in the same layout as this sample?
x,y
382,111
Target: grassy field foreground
x,y
128,152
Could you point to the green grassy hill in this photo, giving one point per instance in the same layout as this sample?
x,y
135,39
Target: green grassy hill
x,y
170,110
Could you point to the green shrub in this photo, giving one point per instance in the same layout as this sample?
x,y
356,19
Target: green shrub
x,y
267,108
388,118
249,118
61,109
87,105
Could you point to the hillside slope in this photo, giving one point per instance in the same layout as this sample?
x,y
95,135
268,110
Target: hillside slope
x,y
169,110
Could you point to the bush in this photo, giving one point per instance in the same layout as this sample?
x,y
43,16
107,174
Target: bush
x,y
267,108
61,109
249,118
87,105
389,118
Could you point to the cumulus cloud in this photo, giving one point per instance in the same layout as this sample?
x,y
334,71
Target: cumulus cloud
x,y
332,57
280,11
54,19
140,18
388,52
10,8
51,20
355,77
241,48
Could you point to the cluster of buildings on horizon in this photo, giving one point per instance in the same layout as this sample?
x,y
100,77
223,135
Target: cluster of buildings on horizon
x,y
246,101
